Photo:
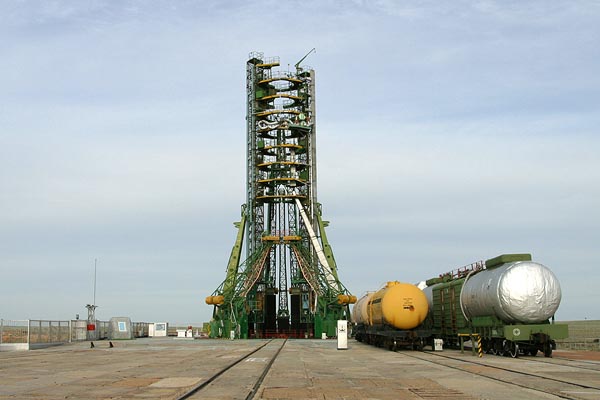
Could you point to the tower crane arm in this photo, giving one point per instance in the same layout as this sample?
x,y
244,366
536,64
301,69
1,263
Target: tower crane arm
x,y
297,65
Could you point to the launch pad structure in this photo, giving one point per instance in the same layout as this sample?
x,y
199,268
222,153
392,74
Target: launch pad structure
x,y
288,284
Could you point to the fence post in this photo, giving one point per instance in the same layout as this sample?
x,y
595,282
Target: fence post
x,y
1,330
28,333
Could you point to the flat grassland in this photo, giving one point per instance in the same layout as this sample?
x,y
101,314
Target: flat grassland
x,y
583,335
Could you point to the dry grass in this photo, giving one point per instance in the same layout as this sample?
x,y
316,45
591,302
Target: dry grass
x,y
583,335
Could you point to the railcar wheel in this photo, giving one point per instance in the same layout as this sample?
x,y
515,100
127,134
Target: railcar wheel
x,y
487,346
547,349
495,347
513,349
502,348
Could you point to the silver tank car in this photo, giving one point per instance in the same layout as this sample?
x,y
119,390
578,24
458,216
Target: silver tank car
x,y
428,291
522,292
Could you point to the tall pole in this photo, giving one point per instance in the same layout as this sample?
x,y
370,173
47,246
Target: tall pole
x,y
95,262
91,321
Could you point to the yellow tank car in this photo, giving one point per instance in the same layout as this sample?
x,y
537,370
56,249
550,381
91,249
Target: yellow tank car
x,y
392,317
401,305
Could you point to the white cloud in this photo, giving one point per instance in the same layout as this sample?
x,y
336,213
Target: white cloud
x,y
446,134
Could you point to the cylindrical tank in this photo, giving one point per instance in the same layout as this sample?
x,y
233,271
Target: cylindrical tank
x,y
428,292
523,292
346,299
216,300
360,313
401,305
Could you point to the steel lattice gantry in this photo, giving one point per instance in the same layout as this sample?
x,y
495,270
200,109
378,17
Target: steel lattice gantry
x,y
288,284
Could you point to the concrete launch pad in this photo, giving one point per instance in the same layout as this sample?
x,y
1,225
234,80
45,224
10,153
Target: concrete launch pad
x,y
168,368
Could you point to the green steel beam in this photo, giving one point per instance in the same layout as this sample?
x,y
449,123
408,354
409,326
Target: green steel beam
x,y
327,248
234,258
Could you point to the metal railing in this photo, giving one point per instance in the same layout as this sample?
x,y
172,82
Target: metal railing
x,y
464,271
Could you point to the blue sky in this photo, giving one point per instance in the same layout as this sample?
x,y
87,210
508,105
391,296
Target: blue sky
x,y
446,134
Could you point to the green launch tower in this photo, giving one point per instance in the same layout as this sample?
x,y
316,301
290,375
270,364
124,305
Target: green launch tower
x,y
288,284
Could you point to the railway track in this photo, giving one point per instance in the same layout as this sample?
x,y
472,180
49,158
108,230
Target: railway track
x,y
252,366
565,385
568,362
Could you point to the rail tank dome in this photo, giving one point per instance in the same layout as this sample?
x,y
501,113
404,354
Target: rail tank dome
x,y
524,292
401,305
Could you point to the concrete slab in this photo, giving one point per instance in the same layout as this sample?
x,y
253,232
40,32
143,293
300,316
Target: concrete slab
x,y
175,382
305,369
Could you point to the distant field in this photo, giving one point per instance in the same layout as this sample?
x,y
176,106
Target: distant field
x,y
583,335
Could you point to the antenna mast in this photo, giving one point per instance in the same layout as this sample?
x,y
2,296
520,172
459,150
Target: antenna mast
x,y
91,320
95,261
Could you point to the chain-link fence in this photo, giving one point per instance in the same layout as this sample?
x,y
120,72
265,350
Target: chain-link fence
x,y
35,334
46,332
14,331
29,334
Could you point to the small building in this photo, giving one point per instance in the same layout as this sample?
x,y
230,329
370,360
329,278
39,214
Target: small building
x,y
120,328
158,329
